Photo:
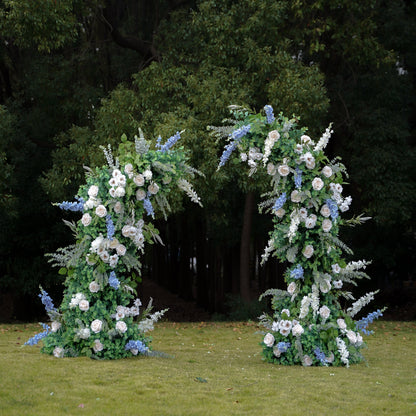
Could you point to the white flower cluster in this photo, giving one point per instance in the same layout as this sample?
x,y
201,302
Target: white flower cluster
x,y
102,247
343,351
148,324
79,300
360,303
135,233
269,249
343,203
356,265
117,184
323,141
294,223
124,311
187,187
272,138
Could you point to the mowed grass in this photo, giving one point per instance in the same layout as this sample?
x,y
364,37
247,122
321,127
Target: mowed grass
x,y
214,369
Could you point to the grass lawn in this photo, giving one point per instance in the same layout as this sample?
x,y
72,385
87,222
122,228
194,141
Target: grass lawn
x,y
215,369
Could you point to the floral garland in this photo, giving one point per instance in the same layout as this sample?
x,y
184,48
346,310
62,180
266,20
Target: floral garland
x,y
308,325
99,316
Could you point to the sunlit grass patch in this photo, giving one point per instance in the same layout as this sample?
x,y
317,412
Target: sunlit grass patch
x,y
209,369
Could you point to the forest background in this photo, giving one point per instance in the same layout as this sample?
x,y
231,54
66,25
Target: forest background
x,y
75,75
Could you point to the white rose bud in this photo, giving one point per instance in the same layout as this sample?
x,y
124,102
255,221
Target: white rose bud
x,y
101,211
139,180
325,211
83,305
317,184
326,225
86,220
93,191
308,251
121,327
96,325
327,171
283,170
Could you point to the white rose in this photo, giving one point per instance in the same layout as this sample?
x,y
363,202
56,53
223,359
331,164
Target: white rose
x,y
336,268
271,169
341,323
89,204
326,225
307,361
120,192
112,192
153,188
295,196
280,212
324,311
105,257
128,169
337,284
86,220
325,286
113,243
96,325
112,182
308,251
283,170
84,333
297,330
310,164
139,180
121,250
352,337
95,244
55,325
98,346
243,157
121,181
94,287
291,288
325,211
305,139
148,174
275,326
113,260
274,135
285,332
93,191
317,184
285,324
140,194
303,212
58,352
338,188
276,351
327,171
116,173
83,305
310,222
101,211
268,340
125,230
118,207
121,327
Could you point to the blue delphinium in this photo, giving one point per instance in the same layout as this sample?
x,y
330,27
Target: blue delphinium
x,y
148,207
298,178
269,114
47,301
320,356
113,281
363,323
297,272
110,227
333,207
283,346
73,206
236,136
136,345
169,142
35,339
279,202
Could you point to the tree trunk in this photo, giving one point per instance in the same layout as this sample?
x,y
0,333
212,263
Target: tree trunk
x,y
245,247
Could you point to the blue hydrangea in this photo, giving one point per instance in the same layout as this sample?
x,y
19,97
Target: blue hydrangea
x,y
148,207
320,356
35,339
110,227
279,202
136,345
297,272
283,346
73,206
113,281
47,301
169,142
269,114
333,207
298,178
363,323
236,136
